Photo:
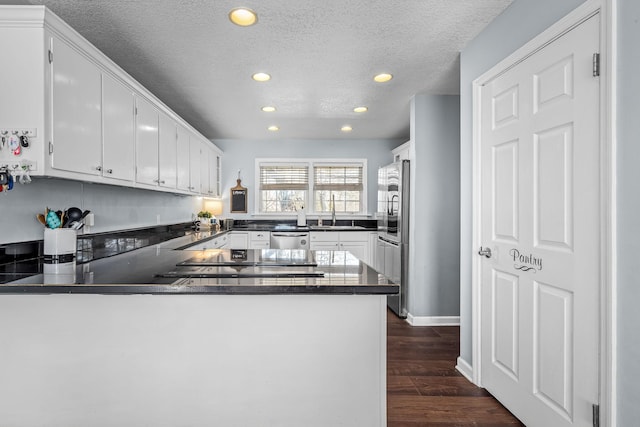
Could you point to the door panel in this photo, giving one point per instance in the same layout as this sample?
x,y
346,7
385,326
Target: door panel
x,y
540,216
505,314
505,189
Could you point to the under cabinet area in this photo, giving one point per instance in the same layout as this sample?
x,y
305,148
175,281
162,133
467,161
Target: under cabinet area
x,y
89,120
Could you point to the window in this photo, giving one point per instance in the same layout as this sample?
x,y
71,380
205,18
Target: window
x,y
341,185
285,187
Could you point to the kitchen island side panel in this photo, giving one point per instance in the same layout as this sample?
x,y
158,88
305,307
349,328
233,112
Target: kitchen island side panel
x,y
166,360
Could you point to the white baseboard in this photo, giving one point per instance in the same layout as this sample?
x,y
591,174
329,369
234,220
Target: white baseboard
x,y
465,369
433,320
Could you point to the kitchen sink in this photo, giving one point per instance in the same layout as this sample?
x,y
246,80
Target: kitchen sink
x,y
336,227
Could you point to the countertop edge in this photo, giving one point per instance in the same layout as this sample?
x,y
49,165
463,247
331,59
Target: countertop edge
x,y
199,289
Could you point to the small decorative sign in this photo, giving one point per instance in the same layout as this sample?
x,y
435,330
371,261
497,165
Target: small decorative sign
x,y
525,262
238,198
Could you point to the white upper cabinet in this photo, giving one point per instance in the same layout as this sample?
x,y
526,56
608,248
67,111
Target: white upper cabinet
x,y
209,171
146,142
182,159
402,152
118,130
75,106
195,151
168,166
80,108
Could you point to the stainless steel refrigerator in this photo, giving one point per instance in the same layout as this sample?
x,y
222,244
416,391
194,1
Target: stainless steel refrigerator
x,y
393,230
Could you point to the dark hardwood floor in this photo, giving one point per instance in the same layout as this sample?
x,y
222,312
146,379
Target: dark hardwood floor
x,y
423,387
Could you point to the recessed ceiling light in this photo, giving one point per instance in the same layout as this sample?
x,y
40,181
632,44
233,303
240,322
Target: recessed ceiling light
x,y
346,128
243,16
383,77
360,110
261,77
273,128
268,109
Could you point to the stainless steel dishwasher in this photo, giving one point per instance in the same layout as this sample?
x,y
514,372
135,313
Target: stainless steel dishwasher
x,y
290,240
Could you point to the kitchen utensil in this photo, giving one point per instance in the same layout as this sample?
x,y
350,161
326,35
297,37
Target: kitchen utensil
x,y
53,220
85,213
41,219
74,214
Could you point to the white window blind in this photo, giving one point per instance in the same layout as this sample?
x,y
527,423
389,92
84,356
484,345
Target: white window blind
x,y
284,177
283,188
341,185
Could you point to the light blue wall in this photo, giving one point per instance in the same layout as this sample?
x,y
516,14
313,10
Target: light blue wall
x,y
114,208
434,247
628,209
518,24
241,155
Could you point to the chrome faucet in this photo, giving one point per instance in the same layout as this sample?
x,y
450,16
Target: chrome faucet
x,y
333,209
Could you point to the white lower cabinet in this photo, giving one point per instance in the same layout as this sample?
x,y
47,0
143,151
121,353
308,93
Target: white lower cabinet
x,y
238,240
259,240
356,242
220,242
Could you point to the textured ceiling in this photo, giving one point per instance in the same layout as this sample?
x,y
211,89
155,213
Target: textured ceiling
x,y
322,56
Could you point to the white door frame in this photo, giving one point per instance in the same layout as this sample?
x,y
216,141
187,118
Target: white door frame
x,y
607,10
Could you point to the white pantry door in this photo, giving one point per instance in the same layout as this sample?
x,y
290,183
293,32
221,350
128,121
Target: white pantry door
x,y
540,217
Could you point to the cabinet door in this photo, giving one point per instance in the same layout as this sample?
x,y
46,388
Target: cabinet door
x,y
205,170
167,161
182,158
238,240
359,249
118,130
218,186
146,142
195,151
76,91
213,174
324,246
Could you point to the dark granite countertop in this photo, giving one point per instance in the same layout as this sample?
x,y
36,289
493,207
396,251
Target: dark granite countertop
x,y
162,269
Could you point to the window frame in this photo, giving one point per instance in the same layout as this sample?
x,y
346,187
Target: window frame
x,y
309,203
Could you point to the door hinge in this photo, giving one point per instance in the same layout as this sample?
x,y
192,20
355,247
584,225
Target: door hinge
x,y
50,56
596,415
50,147
596,64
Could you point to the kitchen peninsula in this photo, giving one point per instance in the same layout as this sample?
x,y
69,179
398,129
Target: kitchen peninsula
x,y
166,337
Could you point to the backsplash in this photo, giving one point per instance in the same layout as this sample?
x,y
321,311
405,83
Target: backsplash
x,y
114,208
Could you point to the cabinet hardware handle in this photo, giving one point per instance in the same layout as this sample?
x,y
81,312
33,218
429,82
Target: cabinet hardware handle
x,y
99,168
162,182
109,170
156,181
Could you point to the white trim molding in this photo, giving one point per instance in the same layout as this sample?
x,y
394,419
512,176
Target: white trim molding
x,y
607,11
464,368
433,320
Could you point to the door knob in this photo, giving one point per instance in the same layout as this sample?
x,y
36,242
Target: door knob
x,y
485,252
